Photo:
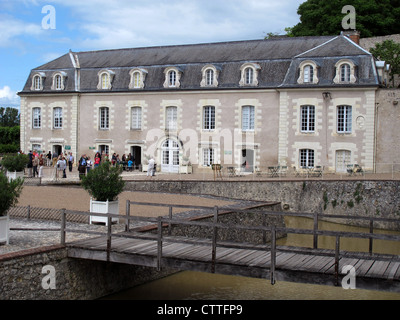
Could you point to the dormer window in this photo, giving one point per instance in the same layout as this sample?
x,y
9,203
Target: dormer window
x,y
105,79
58,81
308,73
209,76
249,74
345,72
138,77
172,77
37,81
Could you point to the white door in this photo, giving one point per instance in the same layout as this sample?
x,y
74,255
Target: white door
x,y
170,156
343,158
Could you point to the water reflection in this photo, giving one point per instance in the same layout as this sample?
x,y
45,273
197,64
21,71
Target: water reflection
x,y
204,286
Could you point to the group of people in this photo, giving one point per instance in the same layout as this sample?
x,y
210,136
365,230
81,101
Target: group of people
x,y
66,161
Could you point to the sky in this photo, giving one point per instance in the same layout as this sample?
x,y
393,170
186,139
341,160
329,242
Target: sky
x,y
33,32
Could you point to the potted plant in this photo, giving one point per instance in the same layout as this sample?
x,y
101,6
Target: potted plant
x,y
186,166
15,165
10,190
104,184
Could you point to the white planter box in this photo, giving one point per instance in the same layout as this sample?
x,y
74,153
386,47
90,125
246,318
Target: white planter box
x,y
145,167
185,169
14,175
103,207
4,229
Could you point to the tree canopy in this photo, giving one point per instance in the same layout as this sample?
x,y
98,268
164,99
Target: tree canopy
x,y
373,17
9,117
388,51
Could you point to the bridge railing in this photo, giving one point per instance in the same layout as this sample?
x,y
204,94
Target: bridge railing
x,y
164,224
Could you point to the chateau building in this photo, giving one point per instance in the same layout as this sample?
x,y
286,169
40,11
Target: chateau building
x,y
296,102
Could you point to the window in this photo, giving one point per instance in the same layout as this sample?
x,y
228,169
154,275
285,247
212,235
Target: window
x,y
307,119
344,119
306,158
136,118
172,77
208,157
248,118
57,118
37,118
171,118
209,118
249,74
138,76
105,79
308,74
345,73
104,118
37,81
209,76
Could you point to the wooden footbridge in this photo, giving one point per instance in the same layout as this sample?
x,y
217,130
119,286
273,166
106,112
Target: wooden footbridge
x,y
158,247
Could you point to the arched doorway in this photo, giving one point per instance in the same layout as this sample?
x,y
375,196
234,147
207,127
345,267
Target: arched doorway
x,y
170,156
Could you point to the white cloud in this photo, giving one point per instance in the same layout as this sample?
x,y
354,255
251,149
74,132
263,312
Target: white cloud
x,y
11,28
125,23
8,97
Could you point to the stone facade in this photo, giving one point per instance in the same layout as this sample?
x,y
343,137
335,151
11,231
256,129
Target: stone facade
x,y
269,102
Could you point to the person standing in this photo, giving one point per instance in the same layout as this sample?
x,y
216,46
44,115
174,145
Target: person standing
x,y
150,170
71,160
41,164
30,163
88,165
35,164
82,166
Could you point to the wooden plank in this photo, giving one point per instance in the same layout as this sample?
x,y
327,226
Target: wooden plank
x,y
378,269
363,266
391,270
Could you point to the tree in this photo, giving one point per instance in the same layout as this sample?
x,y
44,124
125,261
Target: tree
x,y
388,51
9,117
373,17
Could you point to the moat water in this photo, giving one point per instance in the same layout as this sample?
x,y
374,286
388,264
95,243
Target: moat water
x,y
189,285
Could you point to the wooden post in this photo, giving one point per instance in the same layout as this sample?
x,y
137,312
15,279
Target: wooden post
x,y
337,249
63,225
214,240
264,223
128,212
159,243
371,230
315,230
109,223
273,254
170,218
29,212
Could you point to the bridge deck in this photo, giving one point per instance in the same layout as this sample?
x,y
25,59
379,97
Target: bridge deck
x,y
316,266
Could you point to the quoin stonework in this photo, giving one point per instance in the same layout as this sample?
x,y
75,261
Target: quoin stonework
x,y
295,102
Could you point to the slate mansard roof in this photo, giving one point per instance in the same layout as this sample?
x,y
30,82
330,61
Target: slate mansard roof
x,y
278,58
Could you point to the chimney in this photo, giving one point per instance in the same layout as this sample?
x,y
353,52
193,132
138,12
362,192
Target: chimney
x,y
354,35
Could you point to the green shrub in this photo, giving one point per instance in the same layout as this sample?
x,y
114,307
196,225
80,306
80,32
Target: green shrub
x,y
104,182
9,193
15,162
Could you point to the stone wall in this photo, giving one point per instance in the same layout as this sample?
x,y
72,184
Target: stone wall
x,y
345,197
22,273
